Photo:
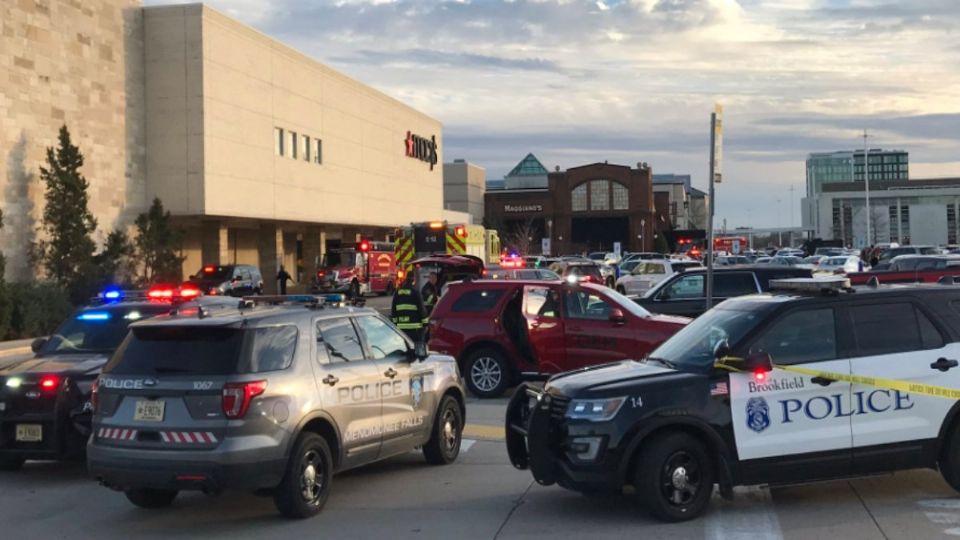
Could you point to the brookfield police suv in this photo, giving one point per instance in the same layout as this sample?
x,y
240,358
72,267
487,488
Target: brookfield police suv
x,y
764,389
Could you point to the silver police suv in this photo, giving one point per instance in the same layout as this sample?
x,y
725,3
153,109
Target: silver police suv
x,y
274,397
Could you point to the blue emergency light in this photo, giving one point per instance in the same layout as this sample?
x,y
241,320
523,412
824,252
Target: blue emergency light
x,y
94,316
112,294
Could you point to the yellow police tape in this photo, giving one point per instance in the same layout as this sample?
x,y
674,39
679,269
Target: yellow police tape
x,y
888,384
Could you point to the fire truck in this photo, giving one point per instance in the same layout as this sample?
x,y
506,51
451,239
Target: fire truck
x,y
733,245
369,267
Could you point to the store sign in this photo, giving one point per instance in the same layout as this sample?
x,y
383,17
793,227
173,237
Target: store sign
x,y
520,208
422,148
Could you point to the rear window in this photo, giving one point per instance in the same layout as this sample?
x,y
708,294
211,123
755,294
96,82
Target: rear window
x,y
185,350
97,330
215,272
477,301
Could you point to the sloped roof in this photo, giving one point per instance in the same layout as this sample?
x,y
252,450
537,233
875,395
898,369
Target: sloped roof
x,y
529,166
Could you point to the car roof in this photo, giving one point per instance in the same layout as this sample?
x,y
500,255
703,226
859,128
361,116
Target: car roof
x,y
258,315
774,298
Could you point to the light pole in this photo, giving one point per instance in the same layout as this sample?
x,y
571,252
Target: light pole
x,y
866,183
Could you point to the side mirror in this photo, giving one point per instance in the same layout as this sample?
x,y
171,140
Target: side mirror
x,y
758,362
617,316
38,344
420,351
721,350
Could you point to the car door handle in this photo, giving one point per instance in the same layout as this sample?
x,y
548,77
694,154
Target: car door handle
x,y
943,364
822,381
390,373
331,380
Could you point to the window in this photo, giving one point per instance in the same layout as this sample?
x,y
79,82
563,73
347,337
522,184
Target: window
x,y
306,148
477,301
548,275
653,268
621,197
686,287
384,341
892,328
730,285
317,151
600,195
293,144
278,141
340,340
905,223
579,304
271,349
894,235
541,302
799,337
951,223
578,198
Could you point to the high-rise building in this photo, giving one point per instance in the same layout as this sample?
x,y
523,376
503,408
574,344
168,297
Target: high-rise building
x,y
846,166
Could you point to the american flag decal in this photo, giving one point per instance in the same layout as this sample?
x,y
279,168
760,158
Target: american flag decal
x,y
719,389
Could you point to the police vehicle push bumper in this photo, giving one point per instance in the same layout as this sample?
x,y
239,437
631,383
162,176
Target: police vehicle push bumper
x,y
557,451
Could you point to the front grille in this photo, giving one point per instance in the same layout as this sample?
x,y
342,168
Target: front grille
x,y
558,407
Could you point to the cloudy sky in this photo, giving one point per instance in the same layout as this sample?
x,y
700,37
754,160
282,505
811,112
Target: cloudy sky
x,y
578,82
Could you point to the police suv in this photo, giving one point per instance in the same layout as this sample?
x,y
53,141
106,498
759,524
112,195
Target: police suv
x,y
773,388
273,396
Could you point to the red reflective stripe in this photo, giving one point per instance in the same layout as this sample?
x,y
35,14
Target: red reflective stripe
x,y
198,437
211,437
123,434
133,435
164,436
100,433
186,436
175,436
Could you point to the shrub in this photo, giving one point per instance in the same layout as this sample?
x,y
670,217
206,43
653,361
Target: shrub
x,y
36,309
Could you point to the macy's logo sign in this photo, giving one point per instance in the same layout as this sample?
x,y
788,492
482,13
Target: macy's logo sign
x,y
422,148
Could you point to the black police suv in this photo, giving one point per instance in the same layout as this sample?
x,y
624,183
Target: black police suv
x,y
677,423
229,280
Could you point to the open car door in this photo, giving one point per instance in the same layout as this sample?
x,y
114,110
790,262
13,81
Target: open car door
x,y
541,311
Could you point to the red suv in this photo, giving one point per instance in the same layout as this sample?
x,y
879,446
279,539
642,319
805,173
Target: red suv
x,y
503,331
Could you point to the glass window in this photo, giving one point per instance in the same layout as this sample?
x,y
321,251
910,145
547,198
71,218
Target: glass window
x,y
653,268
693,345
730,285
477,301
270,349
383,340
548,275
892,328
278,141
580,304
684,288
600,195
798,337
340,340
541,301
317,151
179,350
293,144
306,148
621,197
578,198
96,331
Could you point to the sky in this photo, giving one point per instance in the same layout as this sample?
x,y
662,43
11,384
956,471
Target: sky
x,y
628,81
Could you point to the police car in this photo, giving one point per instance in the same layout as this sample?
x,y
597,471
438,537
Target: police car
x,y
273,396
816,382
45,400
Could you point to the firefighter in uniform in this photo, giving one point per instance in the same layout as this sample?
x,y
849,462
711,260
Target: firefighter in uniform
x,y
430,294
407,311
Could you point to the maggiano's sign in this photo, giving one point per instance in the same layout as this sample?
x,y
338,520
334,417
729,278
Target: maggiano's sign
x,y
422,148
519,208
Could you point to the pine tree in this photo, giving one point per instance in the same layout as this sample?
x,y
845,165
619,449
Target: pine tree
x,y
5,307
157,243
114,260
66,252
660,244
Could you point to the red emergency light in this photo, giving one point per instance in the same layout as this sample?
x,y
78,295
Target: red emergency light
x,y
189,291
49,382
364,246
160,292
461,231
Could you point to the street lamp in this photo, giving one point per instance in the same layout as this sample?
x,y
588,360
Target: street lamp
x,y
866,183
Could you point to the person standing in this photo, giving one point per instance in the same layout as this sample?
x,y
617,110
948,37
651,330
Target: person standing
x,y
283,277
407,311
430,293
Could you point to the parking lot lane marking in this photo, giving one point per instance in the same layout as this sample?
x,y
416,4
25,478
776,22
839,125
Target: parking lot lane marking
x,y
952,504
751,516
943,518
466,444
483,432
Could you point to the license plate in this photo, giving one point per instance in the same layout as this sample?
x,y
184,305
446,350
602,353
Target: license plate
x,y
149,411
29,432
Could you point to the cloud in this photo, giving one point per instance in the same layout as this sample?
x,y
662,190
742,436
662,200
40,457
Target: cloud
x,y
435,59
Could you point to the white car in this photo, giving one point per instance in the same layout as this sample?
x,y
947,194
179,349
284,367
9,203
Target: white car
x,y
843,264
646,274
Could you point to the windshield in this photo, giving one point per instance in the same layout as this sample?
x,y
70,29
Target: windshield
x,y
96,331
836,261
344,257
692,347
627,303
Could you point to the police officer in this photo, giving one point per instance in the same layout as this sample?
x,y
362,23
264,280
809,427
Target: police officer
x,y
429,293
407,311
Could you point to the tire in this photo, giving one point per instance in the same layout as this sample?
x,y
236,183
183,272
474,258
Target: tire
x,y
674,477
949,463
487,373
306,483
151,498
11,464
621,290
447,434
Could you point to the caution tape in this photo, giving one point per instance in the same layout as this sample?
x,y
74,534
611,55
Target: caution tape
x,y
878,382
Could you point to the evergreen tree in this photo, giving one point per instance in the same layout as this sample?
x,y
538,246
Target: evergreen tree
x,y
157,243
113,263
66,252
660,243
5,305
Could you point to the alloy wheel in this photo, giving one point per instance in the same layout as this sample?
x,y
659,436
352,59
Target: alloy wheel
x,y
486,373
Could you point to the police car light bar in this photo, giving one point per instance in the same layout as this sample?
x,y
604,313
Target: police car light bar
x,y
811,285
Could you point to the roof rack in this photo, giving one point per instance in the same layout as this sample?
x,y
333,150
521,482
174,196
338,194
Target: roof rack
x,y
311,301
827,286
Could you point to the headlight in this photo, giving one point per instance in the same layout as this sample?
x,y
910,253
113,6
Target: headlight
x,y
597,410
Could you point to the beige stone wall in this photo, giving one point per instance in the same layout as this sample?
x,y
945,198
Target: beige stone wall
x,y
79,63
463,187
251,84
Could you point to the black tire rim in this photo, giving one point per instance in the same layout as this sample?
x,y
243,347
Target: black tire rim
x,y
680,479
449,431
312,470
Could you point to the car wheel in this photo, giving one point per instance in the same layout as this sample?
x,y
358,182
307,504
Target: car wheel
x,y
621,290
949,462
444,444
674,477
9,463
151,498
487,373
306,483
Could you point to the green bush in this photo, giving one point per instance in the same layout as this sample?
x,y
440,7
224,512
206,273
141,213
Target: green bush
x,y
36,309
6,308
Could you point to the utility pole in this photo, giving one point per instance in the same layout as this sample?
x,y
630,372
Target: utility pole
x,y
716,153
866,184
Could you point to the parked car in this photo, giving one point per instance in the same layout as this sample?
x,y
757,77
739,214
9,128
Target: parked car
x,y
228,280
790,252
684,294
647,274
731,260
644,255
496,272
892,252
911,269
842,264
583,271
502,332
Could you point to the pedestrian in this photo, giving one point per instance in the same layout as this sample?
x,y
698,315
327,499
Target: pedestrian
x,y
430,293
407,311
283,277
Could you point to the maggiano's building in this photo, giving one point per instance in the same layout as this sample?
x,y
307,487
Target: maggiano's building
x,y
262,154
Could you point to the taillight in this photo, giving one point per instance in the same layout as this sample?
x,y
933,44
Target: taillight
x,y
237,397
49,383
94,396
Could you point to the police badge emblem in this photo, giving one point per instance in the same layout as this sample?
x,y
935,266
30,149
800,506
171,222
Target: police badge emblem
x,y
758,414
416,390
